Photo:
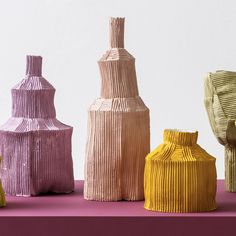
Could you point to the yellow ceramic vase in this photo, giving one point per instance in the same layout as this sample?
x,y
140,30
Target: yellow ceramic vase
x,y
2,194
179,175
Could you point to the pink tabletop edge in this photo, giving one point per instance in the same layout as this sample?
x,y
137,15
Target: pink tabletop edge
x,y
74,205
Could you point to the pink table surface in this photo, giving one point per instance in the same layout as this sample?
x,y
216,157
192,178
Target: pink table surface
x,y
70,214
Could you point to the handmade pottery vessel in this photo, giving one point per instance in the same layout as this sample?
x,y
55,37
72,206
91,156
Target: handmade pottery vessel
x,y
35,146
220,103
179,175
2,194
118,128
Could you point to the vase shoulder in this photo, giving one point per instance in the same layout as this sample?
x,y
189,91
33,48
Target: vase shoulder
x,y
173,152
133,104
179,146
33,83
23,125
116,54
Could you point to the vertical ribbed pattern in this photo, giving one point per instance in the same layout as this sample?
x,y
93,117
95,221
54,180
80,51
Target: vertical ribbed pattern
x,y
220,103
34,65
36,147
115,161
118,129
33,97
2,194
179,175
118,79
117,32
230,168
33,103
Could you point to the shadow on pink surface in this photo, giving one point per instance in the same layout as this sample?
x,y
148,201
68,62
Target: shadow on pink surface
x,y
73,204
70,214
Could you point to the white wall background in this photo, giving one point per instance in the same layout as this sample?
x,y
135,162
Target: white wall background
x,y
175,43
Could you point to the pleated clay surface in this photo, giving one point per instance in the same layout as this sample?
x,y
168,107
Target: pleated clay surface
x,y
179,175
118,128
35,146
220,103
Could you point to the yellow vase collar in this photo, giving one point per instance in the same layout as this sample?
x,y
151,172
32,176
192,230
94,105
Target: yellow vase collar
x,y
179,137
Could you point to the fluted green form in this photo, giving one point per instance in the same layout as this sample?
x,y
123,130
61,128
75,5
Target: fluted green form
x,y
220,103
179,175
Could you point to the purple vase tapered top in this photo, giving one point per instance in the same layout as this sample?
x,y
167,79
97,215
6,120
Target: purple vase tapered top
x,y
35,146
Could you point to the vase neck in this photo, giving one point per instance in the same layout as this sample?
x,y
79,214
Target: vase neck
x,y
180,137
34,66
33,97
117,32
117,66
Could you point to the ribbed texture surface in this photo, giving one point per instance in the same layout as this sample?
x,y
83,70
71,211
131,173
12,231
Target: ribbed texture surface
x,y
34,66
33,104
19,124
36,146
118,79
180,138
2,194
220,103
118,132
116,54
117,32
33,97
230,168
37,162
118,142
179,175
134,104
224,83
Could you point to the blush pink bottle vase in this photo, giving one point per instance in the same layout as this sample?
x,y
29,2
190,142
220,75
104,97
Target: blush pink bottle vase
x,y
118,128
35,146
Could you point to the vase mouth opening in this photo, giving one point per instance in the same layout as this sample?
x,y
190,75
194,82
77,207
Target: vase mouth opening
x,y
182,130
228,72
117,25
183,137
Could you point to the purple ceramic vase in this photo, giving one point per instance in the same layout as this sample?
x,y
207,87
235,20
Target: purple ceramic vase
x,y
35,146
